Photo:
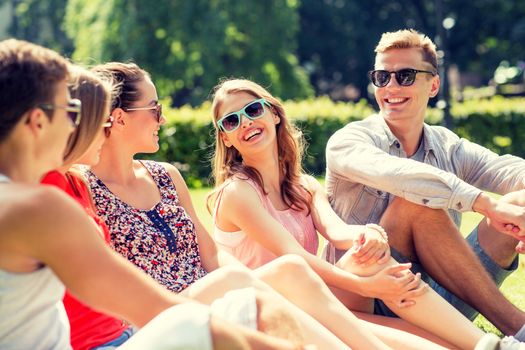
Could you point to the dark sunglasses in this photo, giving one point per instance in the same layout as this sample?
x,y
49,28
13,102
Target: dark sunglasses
x,y
404,77
157,108
253,110
73,109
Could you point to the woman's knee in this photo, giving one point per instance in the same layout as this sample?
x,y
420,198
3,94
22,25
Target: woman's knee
x,y
294,270
292,264
236,276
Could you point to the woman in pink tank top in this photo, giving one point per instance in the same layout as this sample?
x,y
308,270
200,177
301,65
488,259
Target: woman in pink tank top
x,y
265,207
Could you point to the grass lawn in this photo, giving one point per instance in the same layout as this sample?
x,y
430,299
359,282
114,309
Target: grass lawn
x,y
513,288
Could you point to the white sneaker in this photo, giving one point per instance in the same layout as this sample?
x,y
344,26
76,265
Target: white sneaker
x,y
511,343
488,342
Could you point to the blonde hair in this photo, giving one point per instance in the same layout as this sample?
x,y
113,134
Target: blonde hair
x,y
95,95
227,161
407,39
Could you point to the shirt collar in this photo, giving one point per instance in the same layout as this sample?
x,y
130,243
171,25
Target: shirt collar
x,y
392,139
429,144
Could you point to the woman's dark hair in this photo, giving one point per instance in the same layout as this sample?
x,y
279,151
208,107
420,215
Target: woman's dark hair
x,y
124,77
29,75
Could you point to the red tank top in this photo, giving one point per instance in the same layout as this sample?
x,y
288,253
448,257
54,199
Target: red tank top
x,y
89,328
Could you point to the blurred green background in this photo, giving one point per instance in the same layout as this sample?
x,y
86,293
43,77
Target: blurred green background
x,y
299,48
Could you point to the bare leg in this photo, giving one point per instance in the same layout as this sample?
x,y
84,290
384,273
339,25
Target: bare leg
x,y
291,274
383,325
429,236
446,322
270,304
293,278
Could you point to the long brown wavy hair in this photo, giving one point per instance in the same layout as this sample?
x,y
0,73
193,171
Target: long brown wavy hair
x,y
227,161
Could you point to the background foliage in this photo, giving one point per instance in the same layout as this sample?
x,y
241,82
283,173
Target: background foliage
x,y
298,47
188,45
187,138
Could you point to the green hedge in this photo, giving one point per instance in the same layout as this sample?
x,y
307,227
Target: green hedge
x,y
187,137
497,123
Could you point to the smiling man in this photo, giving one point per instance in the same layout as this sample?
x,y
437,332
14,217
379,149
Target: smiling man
x,y
416,180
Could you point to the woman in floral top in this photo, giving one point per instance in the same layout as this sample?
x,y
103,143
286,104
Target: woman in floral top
x,y
160,240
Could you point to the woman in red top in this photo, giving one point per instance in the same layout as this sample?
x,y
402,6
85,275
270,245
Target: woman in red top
x,y
89,328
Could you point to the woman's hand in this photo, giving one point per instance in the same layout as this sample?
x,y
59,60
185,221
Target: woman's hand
x,y
395,284
370,246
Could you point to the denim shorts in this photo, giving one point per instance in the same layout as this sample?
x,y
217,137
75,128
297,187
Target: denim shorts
x,y
497,274
115,343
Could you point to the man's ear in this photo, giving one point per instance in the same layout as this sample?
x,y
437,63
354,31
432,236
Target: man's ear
x,y
36,120
225,139
436,83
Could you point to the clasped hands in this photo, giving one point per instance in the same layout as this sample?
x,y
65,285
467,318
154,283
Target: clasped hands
x,y
509,219
394,284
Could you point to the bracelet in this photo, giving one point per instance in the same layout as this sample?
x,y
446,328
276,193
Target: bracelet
x,y
379,229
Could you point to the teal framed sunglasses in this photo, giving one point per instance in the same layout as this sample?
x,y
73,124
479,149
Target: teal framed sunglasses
x,y
253,110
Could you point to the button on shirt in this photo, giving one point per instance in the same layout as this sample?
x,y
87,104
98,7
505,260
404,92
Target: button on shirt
x,y
366,166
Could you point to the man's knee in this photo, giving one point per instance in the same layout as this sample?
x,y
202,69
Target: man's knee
x,y
402,207
402,212
399,202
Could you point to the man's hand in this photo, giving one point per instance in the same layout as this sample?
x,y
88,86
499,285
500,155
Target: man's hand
x,y
505,217
371,246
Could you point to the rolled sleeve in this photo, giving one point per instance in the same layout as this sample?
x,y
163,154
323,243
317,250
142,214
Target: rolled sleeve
x,y
487,170
359,153
463,198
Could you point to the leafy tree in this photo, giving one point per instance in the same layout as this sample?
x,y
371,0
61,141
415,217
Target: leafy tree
x,y
188,45
337,38
40,21
486,32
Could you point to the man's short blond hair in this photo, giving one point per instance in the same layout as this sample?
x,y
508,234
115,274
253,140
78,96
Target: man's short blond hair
x,y
407,39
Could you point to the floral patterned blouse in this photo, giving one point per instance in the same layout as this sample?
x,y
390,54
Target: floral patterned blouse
x,y
161,241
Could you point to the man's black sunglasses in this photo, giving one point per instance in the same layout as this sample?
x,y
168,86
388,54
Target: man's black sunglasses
x,y
404,77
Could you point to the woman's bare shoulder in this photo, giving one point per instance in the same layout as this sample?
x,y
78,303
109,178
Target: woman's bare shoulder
x,y
24,207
